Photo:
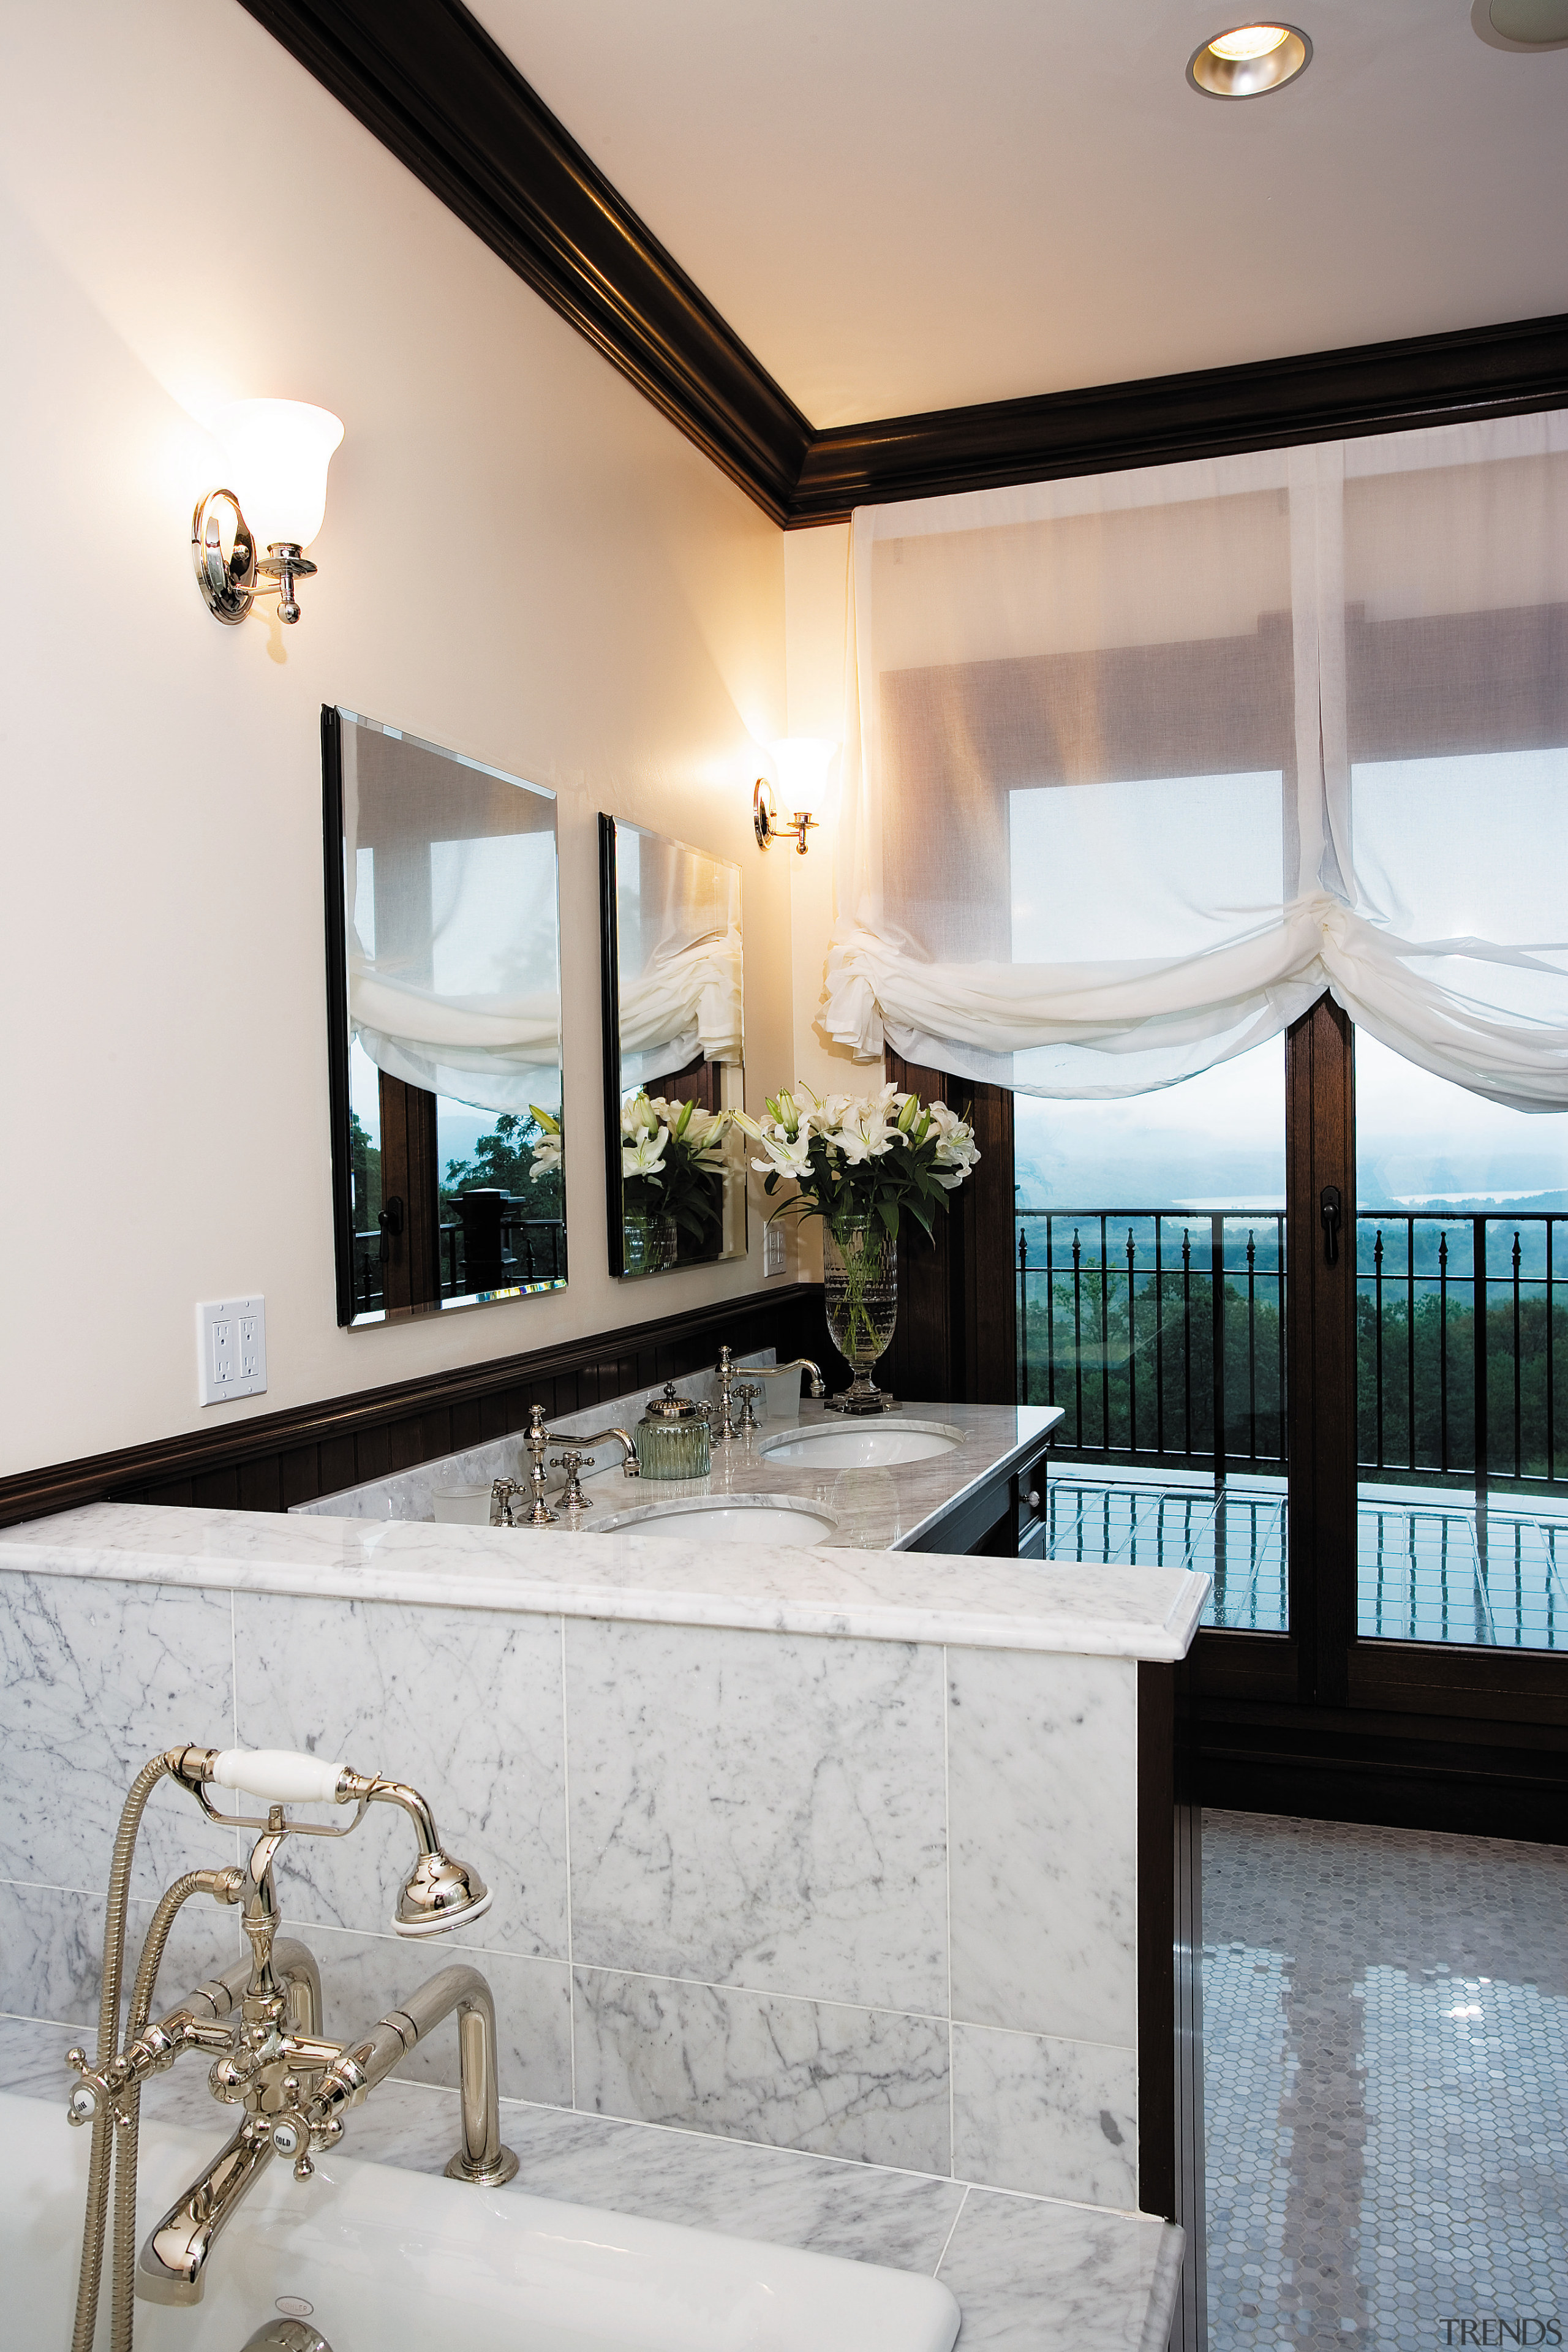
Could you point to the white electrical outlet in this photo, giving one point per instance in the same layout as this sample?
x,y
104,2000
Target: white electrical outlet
x,y
772,1250
231,1348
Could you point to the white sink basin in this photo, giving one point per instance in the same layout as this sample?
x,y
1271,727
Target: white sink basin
x,y
760,1518
392,2260
857,1447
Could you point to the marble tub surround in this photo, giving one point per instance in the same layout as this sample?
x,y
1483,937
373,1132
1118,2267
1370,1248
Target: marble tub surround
x,y
1080,1608
732,1866
1029,2276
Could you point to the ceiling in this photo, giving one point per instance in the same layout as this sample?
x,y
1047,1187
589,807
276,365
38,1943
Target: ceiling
x,y
900,205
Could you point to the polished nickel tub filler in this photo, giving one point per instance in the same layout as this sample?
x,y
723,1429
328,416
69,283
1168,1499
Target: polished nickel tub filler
x,y
393,2258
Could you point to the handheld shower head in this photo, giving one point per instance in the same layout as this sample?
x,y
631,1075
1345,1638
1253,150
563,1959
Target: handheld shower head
x,y
439,1893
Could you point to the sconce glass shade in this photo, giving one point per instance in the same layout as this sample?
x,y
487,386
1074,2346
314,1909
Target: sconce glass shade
x,y
278,451
803,762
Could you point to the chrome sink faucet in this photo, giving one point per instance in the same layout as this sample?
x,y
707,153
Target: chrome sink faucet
x,y
262,2024
538,1441
728,1427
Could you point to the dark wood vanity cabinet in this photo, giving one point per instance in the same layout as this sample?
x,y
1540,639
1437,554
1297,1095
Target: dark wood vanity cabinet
x,y
1003,1519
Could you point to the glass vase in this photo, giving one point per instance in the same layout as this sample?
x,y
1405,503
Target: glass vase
x,y
649,1243
860,1284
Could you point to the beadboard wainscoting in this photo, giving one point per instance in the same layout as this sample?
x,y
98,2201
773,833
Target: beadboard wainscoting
x,y
872,1899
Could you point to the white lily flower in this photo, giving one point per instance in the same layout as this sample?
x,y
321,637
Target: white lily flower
x,y
788,1156
645,1156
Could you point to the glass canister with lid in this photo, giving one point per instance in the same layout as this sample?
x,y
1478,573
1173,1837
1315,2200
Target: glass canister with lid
x,y
672,1437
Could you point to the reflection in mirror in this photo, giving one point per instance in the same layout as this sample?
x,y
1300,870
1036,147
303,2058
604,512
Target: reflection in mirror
x,y
675,1167
444,1007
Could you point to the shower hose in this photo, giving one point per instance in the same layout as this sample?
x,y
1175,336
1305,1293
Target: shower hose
x,y
122,2138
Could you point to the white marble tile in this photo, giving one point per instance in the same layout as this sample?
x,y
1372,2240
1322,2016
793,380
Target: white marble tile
x,y
1091,1610
466,1708
1052,2118
759,1810
96,1677
858,2082
1043,1781
860,2211
51,1951
364,1976
1032,2277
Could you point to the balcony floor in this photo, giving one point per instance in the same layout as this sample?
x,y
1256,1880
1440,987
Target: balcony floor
x,y
1432,1568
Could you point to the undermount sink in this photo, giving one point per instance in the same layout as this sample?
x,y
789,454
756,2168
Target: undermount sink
x,y
762,1519
859,1448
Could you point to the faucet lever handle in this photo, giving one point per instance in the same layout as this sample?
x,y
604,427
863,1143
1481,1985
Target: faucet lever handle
x,y
279,1776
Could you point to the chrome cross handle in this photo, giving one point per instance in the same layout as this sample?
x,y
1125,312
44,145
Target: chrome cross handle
x,y
572,1498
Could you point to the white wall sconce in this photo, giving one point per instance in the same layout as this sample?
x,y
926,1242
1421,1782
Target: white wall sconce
x,y
278,451
802,761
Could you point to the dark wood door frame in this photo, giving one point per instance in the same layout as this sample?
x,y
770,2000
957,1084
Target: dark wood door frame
x,y
1317,1722
1321,1305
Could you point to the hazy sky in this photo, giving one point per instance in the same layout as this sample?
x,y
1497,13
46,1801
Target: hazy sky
x,y
1221,1138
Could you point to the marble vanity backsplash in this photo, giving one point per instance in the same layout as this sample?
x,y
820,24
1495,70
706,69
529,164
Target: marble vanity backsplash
x,y
870,1898
410,1495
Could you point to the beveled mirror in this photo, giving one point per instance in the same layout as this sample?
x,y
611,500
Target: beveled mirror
x,y
674,1052
444,1027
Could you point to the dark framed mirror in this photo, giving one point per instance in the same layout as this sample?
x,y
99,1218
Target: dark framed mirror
x,y
674,1052
444,1027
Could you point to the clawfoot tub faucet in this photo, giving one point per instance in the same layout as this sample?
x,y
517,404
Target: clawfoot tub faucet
x,y
261,2022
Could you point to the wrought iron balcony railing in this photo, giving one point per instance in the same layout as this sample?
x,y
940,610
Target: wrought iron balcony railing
x,y
1161,1331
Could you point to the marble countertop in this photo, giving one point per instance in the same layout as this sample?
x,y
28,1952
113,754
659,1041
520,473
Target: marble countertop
x,y
1029,2276
1084,1609
879,1509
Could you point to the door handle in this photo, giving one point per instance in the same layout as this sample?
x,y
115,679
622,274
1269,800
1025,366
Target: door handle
x,y
391,1224
1330,1217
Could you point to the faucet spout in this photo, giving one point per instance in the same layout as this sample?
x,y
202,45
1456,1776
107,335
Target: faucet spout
x,y
173,2265
480,2158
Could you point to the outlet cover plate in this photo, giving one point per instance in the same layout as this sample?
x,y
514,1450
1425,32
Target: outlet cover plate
x,y
772,1250
231,1348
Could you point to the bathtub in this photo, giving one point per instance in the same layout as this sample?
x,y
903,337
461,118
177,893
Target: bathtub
x,y
389,2261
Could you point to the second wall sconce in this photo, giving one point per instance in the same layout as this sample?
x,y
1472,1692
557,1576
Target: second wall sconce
x,y
278,451
802,761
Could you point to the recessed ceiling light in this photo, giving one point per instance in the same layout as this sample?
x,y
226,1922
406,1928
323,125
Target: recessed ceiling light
x,y
1248,41
1249,60
1522,26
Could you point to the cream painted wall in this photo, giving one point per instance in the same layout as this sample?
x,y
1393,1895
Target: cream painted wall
x,y
816,616
520,560
816,584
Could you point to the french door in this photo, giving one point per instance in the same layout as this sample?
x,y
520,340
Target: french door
x,y
1421,1676
1282,1391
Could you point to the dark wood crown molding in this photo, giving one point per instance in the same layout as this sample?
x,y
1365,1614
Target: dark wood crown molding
x,y
428,81
426,78
1211,412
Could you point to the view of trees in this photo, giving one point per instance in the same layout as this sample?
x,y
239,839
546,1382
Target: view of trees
x,y
503,1159
1128,1348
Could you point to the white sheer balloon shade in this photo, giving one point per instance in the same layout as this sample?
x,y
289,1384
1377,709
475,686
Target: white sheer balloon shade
x,y
278,452
1137,766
